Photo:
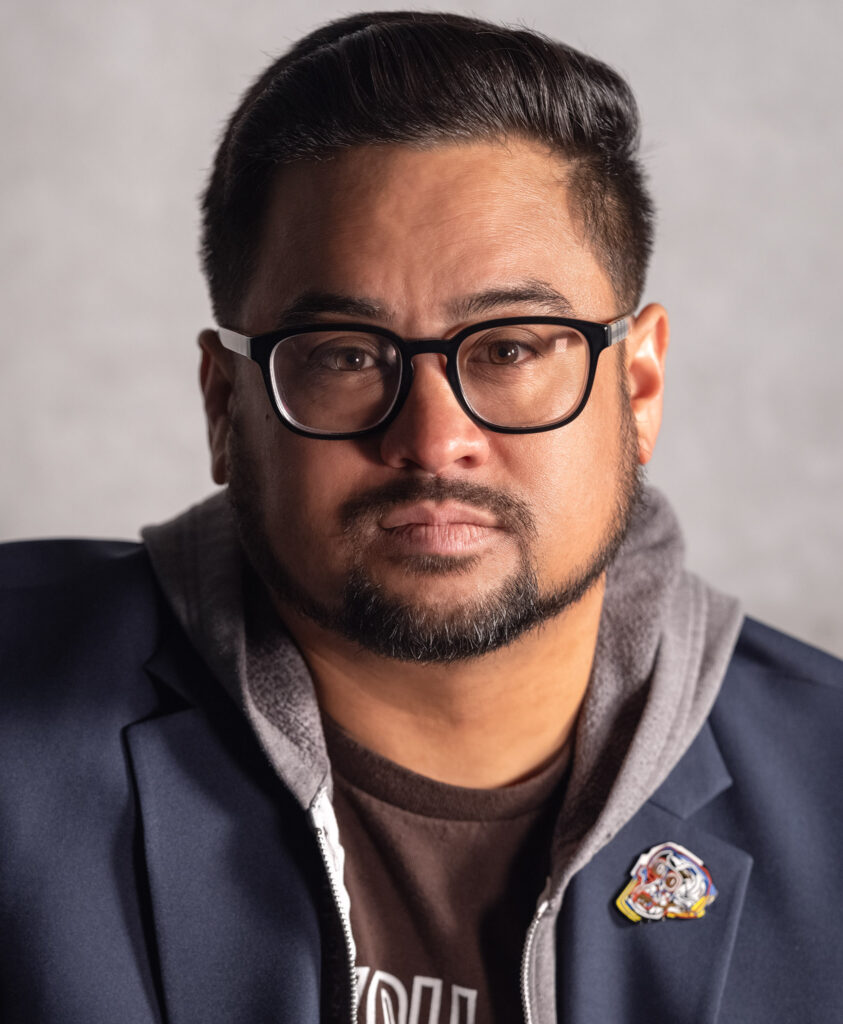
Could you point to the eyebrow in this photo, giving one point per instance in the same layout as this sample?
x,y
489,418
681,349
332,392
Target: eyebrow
x,y
542,297
313,304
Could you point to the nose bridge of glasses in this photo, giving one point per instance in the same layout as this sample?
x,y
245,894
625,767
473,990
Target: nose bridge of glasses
x,y
429,351
426,356
413,347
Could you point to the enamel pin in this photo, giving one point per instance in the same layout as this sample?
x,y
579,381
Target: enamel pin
x,y
667,881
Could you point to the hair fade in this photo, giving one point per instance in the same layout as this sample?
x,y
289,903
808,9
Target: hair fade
x,y
421,78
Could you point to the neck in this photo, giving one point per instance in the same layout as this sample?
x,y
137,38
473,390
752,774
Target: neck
x,y
483,722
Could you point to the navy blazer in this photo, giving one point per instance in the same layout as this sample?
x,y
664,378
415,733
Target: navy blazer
x,y
154,869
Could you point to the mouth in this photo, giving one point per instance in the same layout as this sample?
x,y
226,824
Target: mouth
x,y
425,513
426,528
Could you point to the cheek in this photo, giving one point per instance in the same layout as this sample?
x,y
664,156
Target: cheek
x,y
297,483
570,477
304,482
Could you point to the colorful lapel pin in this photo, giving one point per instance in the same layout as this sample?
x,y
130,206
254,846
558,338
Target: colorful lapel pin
x,y
667,881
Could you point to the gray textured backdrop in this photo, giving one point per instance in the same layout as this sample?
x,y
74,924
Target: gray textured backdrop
x,y
109,117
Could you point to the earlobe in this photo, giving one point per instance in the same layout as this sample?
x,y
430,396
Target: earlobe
x,y
646,350
216,381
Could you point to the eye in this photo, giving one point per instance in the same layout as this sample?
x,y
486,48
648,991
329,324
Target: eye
x,y
348,359
507,348
507,352
346,354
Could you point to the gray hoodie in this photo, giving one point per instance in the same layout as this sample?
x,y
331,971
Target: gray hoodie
x,y
664,643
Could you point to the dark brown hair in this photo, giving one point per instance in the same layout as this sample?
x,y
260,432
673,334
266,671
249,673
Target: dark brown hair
x,y
420,78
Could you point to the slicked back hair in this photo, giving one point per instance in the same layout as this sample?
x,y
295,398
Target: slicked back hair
x,y
419,79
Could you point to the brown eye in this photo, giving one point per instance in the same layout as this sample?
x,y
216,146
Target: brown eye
x,y
350,359
508,346
503,352
344,358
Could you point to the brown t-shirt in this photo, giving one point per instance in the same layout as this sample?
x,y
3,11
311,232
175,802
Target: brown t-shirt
x,y
443,882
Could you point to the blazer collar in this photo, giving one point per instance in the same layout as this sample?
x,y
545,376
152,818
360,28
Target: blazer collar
x,y
232,872
672,971
233,876
699,777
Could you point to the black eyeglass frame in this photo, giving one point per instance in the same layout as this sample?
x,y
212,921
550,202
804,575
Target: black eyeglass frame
x,y
259,348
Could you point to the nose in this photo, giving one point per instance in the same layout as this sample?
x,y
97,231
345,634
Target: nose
x,y
432,432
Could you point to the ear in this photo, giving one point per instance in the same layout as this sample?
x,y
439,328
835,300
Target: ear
x,y
216,377
646,349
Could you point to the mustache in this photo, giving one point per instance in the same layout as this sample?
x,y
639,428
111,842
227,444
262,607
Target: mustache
x,y
371,505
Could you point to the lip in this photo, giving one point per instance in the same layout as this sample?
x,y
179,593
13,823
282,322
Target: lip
x,y
447,529
442,516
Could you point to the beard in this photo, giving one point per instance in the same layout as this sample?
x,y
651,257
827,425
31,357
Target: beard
x,y
367,614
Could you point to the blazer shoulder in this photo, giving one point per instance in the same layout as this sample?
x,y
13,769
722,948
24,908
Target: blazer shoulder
x,y
30,564
781,704
77,620
764,651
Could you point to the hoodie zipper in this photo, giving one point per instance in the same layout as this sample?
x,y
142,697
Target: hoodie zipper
x,y
322,827
327,836
525,962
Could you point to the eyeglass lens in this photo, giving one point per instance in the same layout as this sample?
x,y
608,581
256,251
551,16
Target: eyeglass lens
x,y
519,376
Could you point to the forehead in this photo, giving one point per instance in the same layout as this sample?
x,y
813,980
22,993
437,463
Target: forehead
x,y
416,228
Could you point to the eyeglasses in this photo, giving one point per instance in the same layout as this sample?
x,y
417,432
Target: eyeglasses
x,y
514,375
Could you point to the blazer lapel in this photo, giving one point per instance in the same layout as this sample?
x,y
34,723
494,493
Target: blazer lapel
x,y
666,972
231,875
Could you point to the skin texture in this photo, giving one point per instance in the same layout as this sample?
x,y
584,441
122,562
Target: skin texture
x,y
416,233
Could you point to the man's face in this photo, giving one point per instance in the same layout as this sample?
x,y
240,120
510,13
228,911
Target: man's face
x,y
434,525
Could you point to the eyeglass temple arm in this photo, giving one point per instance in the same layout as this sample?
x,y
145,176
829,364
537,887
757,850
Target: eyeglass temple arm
x,y
618,330
235,342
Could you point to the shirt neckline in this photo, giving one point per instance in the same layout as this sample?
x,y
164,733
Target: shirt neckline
x,y
357,766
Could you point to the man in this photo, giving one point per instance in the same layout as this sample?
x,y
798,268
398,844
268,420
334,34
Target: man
x,y
421,720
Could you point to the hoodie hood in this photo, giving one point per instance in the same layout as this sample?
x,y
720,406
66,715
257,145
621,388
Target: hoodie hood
x,y
664,642
200,566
